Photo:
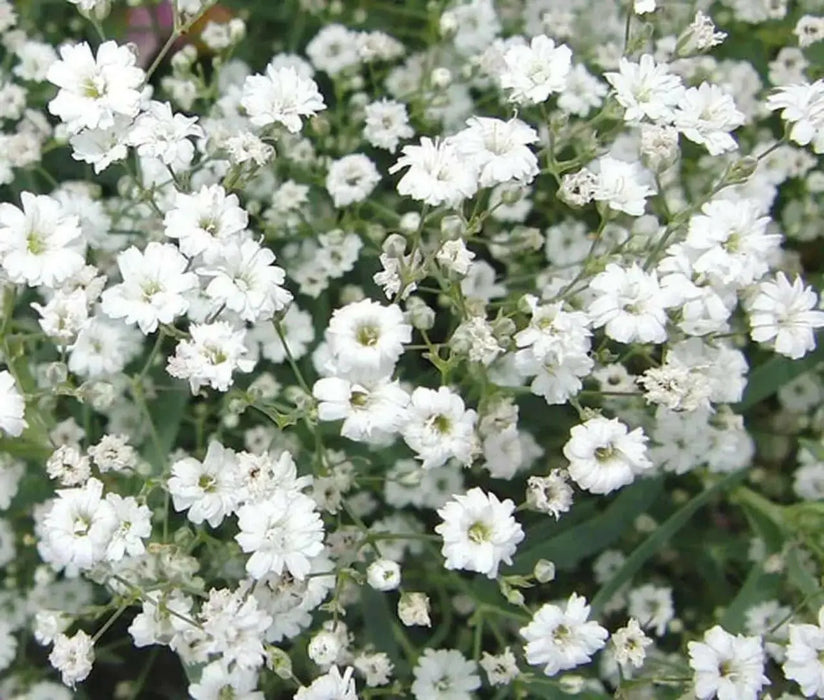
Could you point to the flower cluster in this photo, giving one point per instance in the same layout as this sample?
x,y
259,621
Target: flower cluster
x,y
321,360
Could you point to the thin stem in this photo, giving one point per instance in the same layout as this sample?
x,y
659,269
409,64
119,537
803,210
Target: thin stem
x,y
117,613
290,358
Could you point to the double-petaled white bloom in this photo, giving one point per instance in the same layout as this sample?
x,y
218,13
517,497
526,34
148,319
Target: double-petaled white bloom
x,y
366,339
155,282
532,73
803,663
332,685
706,115
12,406
559,638
802,106
479,532
79,526
646,89
387,124
245,280
630,303
73,657
499,150
782,315
727,666
555,349
629,644
623,185
160,133
444,674
205,221
94,90
283,533
437,173
439,427
282,96
729,241
370,412
40,244
133,526
604,455
351,179
213,354
207,490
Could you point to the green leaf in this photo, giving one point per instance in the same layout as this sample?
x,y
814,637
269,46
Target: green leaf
x,y
378,620
757,587
658,539
167,415
769,377
592,536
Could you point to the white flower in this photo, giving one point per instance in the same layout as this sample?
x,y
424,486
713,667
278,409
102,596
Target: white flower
x,y
728,666
233,626
218,681
73,657
205,221
366,339
478,532
370,413
622,185
803,662
384,575
652,606
159,621
351,179
603,455
102,147
387,124
79,525
12,406
333,49
803,107
376,668
113,452
159,133
629,644
281,96
630,303
646,89
560,638
549,494
208,490
214,353
283,533
455,256
532,73
134,524
781,314
439,427
245,280
68,466
95,89
332,686
153,287
40,243
499,150
437,174
444,674
413,609
501,669
706,115
730,241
